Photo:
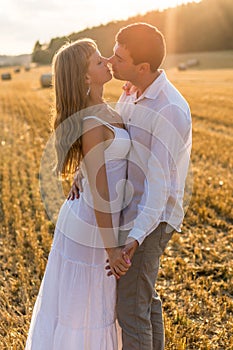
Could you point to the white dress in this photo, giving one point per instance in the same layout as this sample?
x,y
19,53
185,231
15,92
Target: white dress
x,y
75,307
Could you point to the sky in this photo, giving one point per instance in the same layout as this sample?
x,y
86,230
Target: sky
x,y
23,22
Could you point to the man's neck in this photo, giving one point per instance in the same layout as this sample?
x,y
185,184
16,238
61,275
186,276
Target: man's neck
x,y
142,85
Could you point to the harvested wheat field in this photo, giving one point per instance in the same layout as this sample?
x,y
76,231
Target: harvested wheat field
x,y
195,280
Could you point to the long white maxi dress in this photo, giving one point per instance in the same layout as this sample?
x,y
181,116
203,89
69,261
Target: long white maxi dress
x,y
75,307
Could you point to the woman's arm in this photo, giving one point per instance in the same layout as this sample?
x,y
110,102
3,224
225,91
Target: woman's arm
x,y
93,156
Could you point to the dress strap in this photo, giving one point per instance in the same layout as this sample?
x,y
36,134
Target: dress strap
x,y
101,121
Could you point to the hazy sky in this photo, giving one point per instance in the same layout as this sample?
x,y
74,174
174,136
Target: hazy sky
x,y
22,22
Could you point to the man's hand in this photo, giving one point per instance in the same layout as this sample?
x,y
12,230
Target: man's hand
x,y
130,247
118,262
76,186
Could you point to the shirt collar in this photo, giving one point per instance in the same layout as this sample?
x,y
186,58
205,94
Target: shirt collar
x,y
153,89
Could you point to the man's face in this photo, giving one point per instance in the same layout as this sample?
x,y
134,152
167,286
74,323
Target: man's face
x,y
122,64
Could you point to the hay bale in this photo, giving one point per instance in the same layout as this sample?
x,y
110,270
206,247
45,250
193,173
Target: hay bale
x,y
17,70
6,76
193,62
27,68
182,66
46,80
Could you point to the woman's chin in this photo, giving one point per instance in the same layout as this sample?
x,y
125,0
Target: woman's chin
x,y
110,77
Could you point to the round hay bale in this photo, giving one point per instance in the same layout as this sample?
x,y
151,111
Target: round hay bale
x,y
192,62
182,66
27,69
6,76
46,80
17,70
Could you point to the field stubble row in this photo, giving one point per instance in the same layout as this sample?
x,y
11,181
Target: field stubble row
x,y
195,281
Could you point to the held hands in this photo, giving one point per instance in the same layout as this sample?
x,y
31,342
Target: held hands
x,y
119,260
118,264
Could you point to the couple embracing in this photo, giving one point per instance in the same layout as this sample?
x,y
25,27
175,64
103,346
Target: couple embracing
x,y
119,217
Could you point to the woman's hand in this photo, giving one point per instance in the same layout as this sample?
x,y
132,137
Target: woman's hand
x,y
76,186
129,88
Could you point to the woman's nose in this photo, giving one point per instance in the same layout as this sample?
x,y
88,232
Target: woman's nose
x,y
105,61
110,59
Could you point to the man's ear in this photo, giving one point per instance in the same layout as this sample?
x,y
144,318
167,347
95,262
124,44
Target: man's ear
x,y
144,67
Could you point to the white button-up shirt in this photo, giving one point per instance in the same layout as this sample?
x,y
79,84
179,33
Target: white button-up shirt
x,y
159,124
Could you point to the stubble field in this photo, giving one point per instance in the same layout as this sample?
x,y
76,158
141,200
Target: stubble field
x,y
195,280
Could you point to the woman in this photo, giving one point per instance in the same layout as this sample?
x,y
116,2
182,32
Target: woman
x,y
75,308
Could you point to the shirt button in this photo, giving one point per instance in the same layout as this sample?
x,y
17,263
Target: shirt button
x,y
129,119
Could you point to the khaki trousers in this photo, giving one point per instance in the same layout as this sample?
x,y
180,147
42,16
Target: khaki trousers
x,y
139,309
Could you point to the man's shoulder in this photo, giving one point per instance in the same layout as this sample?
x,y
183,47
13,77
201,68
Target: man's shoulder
x,y
174,98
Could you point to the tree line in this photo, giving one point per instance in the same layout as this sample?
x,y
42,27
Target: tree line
x,y
194,27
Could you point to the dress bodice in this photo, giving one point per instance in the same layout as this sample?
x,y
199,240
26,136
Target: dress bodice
x,y
120,145
77,218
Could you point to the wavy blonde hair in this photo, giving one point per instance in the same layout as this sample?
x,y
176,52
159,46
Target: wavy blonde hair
x,y
69,66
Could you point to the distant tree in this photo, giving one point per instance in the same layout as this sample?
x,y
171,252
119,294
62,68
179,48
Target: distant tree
x,y
37,46
204,26
36,51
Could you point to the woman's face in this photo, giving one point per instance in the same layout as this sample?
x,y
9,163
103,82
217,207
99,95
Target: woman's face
x,y
98,72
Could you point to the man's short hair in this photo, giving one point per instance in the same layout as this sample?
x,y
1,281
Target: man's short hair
x,y
144,42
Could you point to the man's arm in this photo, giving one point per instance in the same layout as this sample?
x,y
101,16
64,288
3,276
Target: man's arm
x,y
171,136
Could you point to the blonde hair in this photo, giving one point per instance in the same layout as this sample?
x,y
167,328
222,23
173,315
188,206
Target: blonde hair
x,y
70,65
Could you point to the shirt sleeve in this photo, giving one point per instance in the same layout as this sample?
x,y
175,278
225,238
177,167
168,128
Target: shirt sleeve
x,y
170,150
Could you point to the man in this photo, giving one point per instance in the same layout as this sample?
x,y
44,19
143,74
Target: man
x,y
158,120
157,176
